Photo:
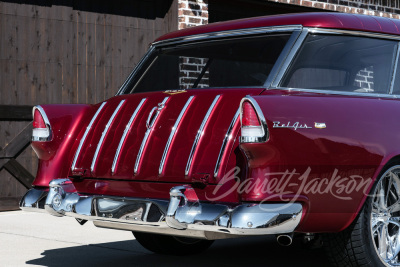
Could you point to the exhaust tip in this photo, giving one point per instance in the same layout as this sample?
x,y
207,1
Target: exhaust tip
x,y
284,240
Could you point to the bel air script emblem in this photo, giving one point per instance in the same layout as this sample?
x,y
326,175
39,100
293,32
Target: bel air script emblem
x,y
298,125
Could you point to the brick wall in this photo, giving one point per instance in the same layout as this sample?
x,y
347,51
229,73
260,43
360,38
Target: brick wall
x,y
192,13
381,8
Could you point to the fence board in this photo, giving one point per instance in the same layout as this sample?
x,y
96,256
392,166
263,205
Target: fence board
x,y
72,52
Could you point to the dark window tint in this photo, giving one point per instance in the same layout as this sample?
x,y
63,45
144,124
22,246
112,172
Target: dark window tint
x,y
229,63
342,63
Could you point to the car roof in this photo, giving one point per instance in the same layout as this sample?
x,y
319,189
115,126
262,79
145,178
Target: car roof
x,y
327,20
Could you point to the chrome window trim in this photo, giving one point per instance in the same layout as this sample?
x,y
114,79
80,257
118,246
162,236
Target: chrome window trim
x,y
126,131
135,70
225,141
289,58
265,137
354,33
103,134
275,84
78,151
206,37
46,122
146,137
172,134
227,34
199,134
395,69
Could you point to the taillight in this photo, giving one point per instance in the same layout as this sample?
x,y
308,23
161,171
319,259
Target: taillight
x,y
253,125
41,131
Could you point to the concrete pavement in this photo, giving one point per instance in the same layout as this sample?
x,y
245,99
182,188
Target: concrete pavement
x,y
37,239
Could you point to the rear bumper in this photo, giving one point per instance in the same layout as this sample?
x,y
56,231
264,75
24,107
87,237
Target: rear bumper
x,y
182,215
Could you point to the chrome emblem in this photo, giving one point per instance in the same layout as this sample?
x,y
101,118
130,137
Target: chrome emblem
x,y
320,125
295,125
151,118
174,92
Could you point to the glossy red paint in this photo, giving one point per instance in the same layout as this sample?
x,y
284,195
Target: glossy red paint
x,y
55,156
205,155
313,20
353,144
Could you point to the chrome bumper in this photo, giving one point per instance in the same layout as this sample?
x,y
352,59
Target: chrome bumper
x,y
182,215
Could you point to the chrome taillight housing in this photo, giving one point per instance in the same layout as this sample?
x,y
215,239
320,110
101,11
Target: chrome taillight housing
x,y
41,130
253,125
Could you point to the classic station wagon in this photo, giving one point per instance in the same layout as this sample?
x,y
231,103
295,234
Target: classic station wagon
x,y
284,125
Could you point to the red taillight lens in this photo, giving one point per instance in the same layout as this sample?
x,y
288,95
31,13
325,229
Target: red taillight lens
x,y
249,115
253,125
38,121
41,130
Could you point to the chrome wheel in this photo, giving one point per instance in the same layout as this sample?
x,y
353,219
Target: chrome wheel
x,y
385,217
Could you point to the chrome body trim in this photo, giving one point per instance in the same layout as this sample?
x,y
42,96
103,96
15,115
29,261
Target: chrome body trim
x,y
227,137
103,134
148,131
126,131
78,151
396,64
135,70
182,215
289,58
282,57
199,134
171,136
248,139
46,121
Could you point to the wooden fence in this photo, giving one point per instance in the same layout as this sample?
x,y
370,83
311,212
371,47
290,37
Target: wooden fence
x,y
9,153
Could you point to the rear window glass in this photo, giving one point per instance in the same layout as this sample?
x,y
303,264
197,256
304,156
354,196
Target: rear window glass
x,y
230,63
343,63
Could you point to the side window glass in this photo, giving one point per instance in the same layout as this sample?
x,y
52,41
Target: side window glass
x,y
343,63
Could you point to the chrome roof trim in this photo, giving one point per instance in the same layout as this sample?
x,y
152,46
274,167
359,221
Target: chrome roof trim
x,y
227,137
78,151
103,134
171,136
146,137
230,33
354,33
199,134
126,131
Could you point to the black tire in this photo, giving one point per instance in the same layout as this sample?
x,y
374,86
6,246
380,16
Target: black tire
x,y
172,245
357,245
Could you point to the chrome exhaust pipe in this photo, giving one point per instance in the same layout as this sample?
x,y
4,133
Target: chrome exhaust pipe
x,y
284,240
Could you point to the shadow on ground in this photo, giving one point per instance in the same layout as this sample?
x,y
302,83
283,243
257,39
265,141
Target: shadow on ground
x,y
254,251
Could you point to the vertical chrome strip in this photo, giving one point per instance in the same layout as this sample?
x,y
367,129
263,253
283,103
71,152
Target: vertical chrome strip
x,y
171,136
78,151
226,139
126,131
285,65
103,135
281,59
146,135
199,134
396,64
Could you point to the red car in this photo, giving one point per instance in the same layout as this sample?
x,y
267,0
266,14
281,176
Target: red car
x,y
273,125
